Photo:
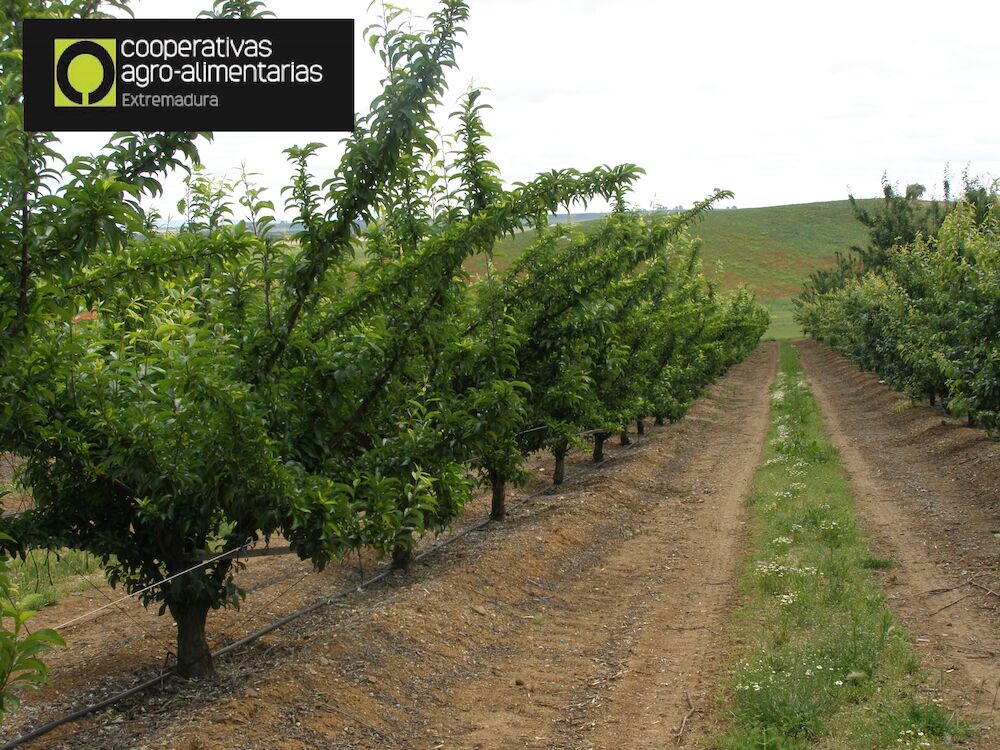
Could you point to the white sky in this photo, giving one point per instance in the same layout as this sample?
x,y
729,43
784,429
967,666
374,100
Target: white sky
x,y
781,102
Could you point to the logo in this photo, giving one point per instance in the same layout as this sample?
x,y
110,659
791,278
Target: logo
x,y
85,73
250,74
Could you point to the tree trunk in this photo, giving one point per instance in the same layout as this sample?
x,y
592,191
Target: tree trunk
x,y
599,446
658,421
499,507
640,426
625,439
559,475
402,556
194,657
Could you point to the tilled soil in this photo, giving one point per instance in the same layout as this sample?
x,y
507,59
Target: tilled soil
x,y
927,491
597,616
594,617
114,643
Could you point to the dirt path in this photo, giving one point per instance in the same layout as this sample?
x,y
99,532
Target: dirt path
x,y
927,491
596,616
625,645
585,621
124,644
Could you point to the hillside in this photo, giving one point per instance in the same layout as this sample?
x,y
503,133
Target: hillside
x,y
771,250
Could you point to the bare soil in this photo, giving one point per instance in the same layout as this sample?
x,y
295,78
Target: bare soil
x,y
588,619
597,616
12,500
927,491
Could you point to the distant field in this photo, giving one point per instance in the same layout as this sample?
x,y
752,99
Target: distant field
x,y
771,250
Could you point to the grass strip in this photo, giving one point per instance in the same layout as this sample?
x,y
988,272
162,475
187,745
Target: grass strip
x,y
44,577
821,661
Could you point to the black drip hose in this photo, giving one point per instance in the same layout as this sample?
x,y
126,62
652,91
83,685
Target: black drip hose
x,y
319,604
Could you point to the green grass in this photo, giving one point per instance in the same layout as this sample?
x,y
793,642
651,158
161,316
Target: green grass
x,y
43,578
771,250
820,662
782,325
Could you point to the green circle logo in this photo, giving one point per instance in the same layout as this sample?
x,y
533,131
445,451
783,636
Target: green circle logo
x,y
85,73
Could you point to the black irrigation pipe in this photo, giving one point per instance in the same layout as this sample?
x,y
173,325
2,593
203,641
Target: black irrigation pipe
x,y
319,604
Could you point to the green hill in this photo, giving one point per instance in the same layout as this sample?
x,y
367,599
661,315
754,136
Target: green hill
x,y
771,250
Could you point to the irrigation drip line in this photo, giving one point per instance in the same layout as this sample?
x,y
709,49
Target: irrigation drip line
x,y
235,552
262,608
318,604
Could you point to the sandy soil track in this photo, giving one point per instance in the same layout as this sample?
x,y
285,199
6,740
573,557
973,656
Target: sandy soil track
x,y
587,620
927,491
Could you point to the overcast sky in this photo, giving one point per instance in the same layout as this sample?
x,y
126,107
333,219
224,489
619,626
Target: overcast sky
x,y
779,102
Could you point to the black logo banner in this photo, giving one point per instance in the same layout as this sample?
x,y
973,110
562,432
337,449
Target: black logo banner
x,y
240,75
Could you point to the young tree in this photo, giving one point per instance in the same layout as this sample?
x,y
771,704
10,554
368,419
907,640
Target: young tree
x,y
149,430
925,319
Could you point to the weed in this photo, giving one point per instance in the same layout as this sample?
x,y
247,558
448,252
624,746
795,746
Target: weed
x,y
827,665
43,577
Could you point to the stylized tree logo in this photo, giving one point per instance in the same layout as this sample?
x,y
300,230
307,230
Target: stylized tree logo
x,y
85,73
